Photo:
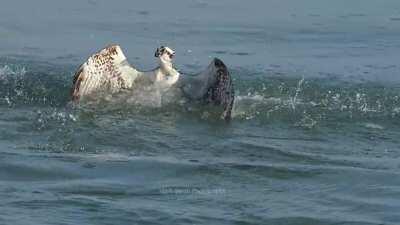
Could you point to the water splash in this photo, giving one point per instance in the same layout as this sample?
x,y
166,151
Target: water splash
x,y
305,103
317,101
293,100
6,71
18,86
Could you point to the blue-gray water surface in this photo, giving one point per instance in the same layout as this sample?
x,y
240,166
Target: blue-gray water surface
x,y
314,137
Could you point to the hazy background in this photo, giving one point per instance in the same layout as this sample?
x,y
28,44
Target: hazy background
x,y
357,38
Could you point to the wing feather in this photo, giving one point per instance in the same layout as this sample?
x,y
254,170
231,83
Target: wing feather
x,y
106,70
221,91
212,86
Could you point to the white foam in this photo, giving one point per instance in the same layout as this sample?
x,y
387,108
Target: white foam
x,y
7,71
373,126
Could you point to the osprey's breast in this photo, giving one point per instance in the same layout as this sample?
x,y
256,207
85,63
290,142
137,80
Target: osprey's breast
x,y
172,79
167,79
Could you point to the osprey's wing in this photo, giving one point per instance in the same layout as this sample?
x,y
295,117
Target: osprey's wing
x,y
107,70
213,85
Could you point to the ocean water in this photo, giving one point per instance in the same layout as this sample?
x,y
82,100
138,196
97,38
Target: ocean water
x,y
314,137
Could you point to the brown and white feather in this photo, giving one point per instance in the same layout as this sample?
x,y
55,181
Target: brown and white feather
x,y
107,70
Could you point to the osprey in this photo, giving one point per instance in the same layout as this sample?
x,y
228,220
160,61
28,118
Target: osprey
x,y
108,70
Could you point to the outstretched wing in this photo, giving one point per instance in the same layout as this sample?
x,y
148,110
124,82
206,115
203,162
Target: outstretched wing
x,y
214,86
107,70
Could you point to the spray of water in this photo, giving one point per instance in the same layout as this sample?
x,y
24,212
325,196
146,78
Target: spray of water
x,y
293,100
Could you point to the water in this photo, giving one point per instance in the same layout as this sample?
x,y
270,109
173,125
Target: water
x,y
314,138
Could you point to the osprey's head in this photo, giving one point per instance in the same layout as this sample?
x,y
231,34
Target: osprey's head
x,y
165,54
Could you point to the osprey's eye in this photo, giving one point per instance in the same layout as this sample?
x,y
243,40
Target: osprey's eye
x,y
171,55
